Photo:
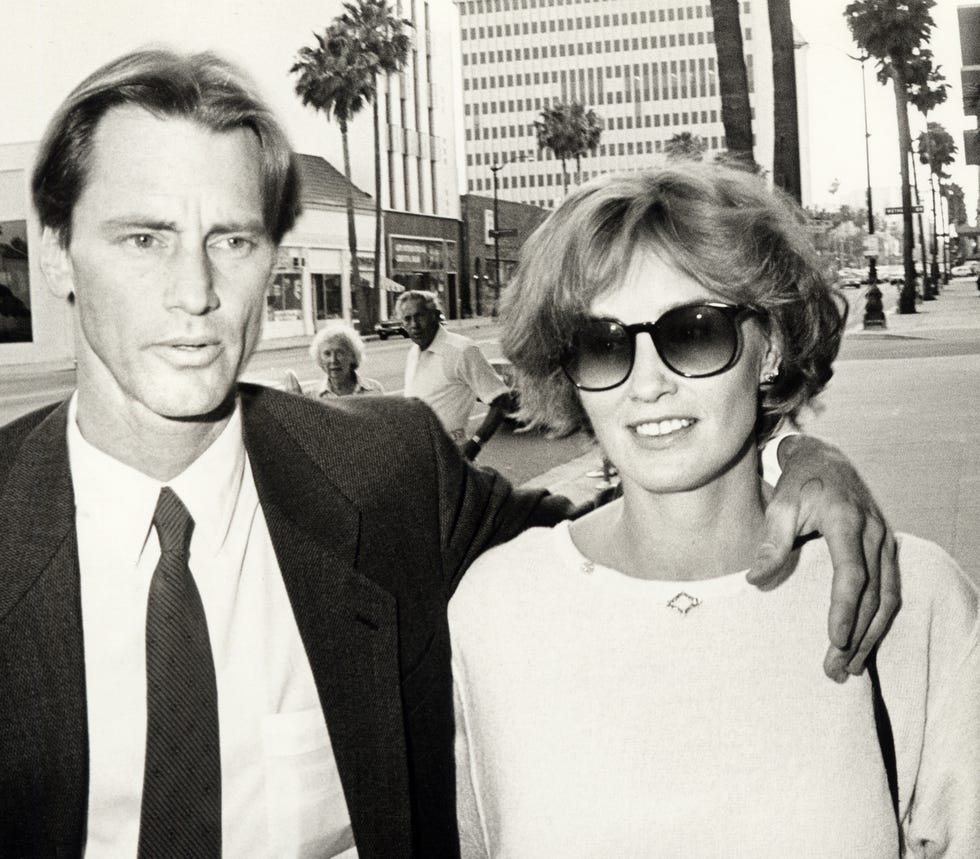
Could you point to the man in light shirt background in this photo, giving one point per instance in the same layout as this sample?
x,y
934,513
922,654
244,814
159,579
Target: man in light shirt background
x,y
450,373
222,607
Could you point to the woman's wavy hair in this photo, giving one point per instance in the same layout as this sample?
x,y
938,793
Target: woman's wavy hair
x,y
200,87
723,227
337,329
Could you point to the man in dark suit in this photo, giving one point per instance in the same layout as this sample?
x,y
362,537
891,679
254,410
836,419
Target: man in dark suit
x,y
223,608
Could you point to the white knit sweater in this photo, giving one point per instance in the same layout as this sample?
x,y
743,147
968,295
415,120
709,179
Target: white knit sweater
x,y
595,718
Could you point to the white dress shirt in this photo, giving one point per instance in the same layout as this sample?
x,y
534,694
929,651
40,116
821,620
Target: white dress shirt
x,y
451,375
281,792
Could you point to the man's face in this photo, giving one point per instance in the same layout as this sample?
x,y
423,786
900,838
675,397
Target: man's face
x,y
169,261
420,322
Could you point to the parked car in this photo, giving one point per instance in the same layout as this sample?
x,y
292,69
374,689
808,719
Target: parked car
x,y
387,327
967,269
851,277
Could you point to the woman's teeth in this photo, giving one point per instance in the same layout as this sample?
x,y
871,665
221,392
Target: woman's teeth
x,y
663,427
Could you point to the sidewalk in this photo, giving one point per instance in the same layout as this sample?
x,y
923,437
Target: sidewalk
x,y
904,405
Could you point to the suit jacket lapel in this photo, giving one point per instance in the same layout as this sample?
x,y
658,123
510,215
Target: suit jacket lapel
x,y
348,625
40,620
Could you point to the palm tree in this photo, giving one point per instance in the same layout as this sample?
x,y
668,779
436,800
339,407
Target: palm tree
x,y
569,131
590,127
384,44
334,79
894,31
786,148
955,202
927,89
685,146
937,149
733,79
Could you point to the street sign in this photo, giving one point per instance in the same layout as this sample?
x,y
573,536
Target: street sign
x,y
897,210
871,246
502,234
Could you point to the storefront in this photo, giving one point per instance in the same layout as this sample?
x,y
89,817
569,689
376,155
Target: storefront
x,y
481,251
423,253
35,325
312,280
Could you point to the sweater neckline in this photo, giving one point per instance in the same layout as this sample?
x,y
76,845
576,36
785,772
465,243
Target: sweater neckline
x,y
681,595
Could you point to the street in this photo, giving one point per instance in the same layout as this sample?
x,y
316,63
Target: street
x,y
903,404
520,456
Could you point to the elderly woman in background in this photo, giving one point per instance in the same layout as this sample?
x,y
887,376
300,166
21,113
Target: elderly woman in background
x,y
609,700
338,350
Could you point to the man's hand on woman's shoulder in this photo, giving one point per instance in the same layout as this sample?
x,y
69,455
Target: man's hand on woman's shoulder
x,y
820,490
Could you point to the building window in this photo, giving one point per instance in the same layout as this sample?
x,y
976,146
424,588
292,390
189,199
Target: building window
x,y
326,296
284,300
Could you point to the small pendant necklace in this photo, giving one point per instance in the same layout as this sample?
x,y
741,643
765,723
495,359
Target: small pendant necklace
x,y
681,602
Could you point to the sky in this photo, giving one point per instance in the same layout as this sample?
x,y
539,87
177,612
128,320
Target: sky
x,y
835,114
50,44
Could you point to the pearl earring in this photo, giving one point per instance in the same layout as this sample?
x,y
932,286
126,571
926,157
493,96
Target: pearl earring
x,y
770,377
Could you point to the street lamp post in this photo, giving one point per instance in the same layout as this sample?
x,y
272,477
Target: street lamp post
x,y
495,168
874,314
497,233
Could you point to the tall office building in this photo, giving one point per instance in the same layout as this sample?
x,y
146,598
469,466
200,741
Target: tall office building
x,y
647,67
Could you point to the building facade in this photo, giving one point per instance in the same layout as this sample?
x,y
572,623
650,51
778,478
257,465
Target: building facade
x,y
48,50
647,67
484,255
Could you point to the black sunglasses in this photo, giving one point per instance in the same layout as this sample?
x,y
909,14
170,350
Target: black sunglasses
x,y
693,340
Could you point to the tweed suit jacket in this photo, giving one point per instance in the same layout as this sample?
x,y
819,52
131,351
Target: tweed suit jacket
x,y
373,515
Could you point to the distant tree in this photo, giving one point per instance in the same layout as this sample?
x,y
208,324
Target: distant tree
x,y
786,148
894,32
955,202
937,149
384,44
568,130
733,79
591,133
685,145
927,89
335,78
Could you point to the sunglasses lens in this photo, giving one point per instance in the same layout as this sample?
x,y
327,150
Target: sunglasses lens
x,y
601,355
698,340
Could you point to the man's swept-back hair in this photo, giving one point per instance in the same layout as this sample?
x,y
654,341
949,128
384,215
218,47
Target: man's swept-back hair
x,y
428,299
201,87
724,228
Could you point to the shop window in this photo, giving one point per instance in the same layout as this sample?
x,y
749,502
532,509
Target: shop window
x,y
284,301
326,295
15,288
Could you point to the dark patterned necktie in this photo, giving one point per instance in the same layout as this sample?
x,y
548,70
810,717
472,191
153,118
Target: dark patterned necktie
x,y
181,808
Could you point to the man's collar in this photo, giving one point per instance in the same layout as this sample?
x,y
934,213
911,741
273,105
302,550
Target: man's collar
x,y
208,487
438,343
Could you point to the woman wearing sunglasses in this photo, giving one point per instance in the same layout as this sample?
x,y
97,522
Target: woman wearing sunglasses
x,y
609,700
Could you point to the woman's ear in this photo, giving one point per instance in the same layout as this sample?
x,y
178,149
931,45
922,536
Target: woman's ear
x,y
56,264
771,361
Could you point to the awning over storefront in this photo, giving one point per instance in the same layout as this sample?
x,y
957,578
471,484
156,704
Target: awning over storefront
x,y
389,285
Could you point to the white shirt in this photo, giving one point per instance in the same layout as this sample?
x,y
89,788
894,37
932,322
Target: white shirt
x,y
451,375
281,792
595,718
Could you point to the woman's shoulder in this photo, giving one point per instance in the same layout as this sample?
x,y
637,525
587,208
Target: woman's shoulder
x,y
932,581
369,386
522,565
938,621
